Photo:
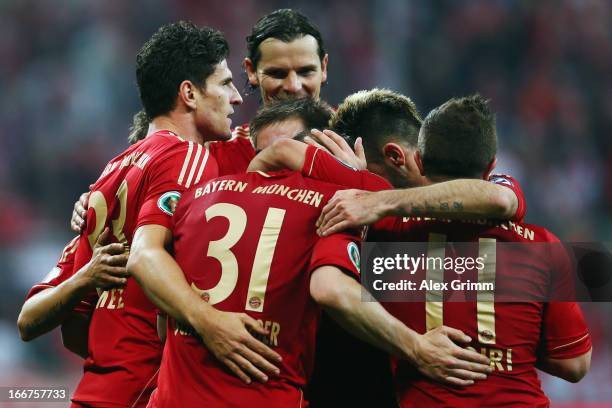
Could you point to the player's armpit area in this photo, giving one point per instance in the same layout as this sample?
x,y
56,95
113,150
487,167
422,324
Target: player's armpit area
x,y
570,369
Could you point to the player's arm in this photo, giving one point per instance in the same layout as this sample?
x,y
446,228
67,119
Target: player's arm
x,y
455,199
570,369
435,354
47,309
565,347
225,334
281,154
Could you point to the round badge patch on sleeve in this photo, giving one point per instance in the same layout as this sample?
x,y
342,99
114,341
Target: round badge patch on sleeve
x,y
354,256
168,202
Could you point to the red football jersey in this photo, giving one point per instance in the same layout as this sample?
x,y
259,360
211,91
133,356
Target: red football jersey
x,y
140,186
60,273
511,335
321,165
247,243
233,156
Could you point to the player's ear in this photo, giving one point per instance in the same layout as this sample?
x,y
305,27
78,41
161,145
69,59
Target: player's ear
x,y
394,154
251,71
419,162
324,68
490,168
187,94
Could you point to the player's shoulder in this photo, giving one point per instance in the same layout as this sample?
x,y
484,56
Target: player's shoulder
x,y
504,179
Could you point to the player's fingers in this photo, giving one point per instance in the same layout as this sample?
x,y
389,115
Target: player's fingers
x,y
471,356
457,381
118,271
466,374
247,367
326,141
473,367
260,362
309,140
359,150
113,281
341,226
233,367
113,249
103,238
334,212
75,226
456,335
253,324
330,222
339,140
117,260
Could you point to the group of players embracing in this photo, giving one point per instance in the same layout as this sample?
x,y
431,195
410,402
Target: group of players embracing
x,y
208,275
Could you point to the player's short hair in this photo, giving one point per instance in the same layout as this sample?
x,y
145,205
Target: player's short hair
x,y
139,128
458,138
285,25
378,116
175,53
313,114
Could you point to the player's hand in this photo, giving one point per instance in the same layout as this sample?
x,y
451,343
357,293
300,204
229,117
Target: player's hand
x,y
79,213
228,336
106,269
340,148
243,131
440,357
349,209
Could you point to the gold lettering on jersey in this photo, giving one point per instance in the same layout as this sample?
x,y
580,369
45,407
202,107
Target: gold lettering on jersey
x,y
309,197
221,185
500,359
518,229
111,299
138,159
273,328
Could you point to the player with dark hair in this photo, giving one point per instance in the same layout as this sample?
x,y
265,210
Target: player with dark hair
x,y
287,119
510,334
285,56
186,89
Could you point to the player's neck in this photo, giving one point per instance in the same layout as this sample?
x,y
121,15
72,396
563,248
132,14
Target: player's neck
x,y
182,128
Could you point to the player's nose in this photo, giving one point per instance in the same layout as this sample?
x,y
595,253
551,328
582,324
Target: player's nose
x,y
236,98
292,83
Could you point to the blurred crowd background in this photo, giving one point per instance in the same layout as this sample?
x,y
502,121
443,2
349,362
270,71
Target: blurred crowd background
x,y
68,93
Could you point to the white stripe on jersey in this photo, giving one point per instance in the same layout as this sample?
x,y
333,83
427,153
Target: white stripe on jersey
x,y
197,180
70,248
186,163
194,165
312,162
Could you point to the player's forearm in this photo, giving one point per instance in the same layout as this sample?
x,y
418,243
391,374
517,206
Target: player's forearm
x,y
340,295
571,369
455,199
282,154
164,283
47,309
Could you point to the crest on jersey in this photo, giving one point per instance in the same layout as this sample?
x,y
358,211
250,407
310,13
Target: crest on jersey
x,y
168,202
354,256
501,180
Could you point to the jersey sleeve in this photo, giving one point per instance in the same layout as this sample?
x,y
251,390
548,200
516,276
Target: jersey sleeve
x,y
564,331
62,271
233,156
511,183
340,250
181,167
321,165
